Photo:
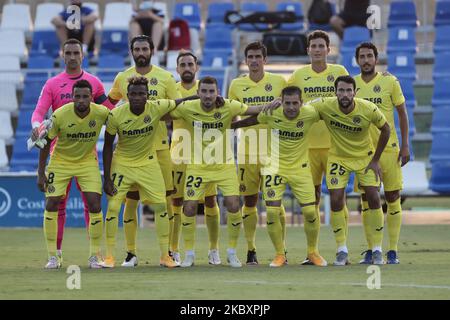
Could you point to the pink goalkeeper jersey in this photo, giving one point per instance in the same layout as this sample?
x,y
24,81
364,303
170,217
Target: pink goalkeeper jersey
x,y
57,92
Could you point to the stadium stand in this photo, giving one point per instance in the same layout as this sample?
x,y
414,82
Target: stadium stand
x,y
352,37
402,13
10,70
348,60
8,102
441,94
216,14
6,129
190,12
115,28
12,43
441,67
442,16
3,156
17,16
442,39
402,39
440,177
248,7
440,148
402,65
293,7
441,120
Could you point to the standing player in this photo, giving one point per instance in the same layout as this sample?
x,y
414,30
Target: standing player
x,y
57,92
212,162
187,68
317,81
256,88
162,85
135,163
384,90
290,125
348,120
77,126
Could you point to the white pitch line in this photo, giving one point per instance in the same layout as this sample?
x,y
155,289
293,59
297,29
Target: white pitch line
x,y
420,286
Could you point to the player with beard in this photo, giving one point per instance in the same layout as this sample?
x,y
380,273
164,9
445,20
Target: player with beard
x,y
162,85
385,91
348,119
187,68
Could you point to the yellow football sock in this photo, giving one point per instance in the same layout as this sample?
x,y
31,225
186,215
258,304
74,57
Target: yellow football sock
x,y
283,224
95,232
367,223
312,227
170,215
346,214
338,224
394,223
51,231
274,228
162,227
234,221
112,224
188,231
250,219
377,218
175,239
130,224
212,220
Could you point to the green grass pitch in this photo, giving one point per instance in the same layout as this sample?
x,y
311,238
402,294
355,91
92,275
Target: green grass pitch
x,y
422,274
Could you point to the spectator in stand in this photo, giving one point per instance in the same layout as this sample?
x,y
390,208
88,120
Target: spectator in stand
x,y
85,34
353,14
149,21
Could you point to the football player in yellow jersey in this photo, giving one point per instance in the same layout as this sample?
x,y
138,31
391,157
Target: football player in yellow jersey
x,y
187,67
385,91
317,81
77,126
289,163
135,163
348,120
211,161
255,88
162,85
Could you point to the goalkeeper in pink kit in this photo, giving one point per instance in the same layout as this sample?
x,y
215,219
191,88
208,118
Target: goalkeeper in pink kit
x,y
57,92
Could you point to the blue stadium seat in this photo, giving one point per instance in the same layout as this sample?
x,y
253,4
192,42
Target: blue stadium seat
x,y
348,189
349,62
402,65
411,122
440,177
441,120
253,7
39,62
31,92
114,42
441,93
22,159
189,11
402,13
442,39
216,58
219,74
112,61
352,37
294,7
46,43
24,123
402,39
217,12
408,91
442,16
441,68
440,147
218,38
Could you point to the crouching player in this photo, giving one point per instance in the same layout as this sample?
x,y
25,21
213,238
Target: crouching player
x,y
289,163
76,125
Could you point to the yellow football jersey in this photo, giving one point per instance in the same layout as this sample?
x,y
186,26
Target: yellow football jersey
x,y
76,137
349,133
253,93
317,85
210,132
386,93
179,125
292,136
137,133
161,85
